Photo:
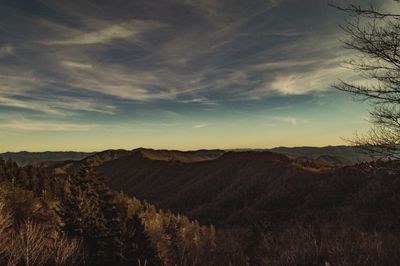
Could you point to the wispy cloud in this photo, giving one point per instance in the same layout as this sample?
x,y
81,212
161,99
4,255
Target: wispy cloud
x,y
59,106
120,82
109,33
6,50
289,120
76,65
197,126
22,123
301,83
16,80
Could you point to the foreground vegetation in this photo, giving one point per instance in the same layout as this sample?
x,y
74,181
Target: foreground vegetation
x,y
78,220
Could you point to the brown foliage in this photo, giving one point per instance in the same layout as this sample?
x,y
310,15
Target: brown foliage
x,y
305,245
32,243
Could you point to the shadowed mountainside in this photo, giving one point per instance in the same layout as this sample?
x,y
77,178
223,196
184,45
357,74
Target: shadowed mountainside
x,y
240,187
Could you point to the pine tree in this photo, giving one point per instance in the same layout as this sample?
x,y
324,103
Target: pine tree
x,y
114,216
91,210
138,247
82,216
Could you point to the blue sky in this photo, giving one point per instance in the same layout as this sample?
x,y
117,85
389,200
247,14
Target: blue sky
x,y
179,74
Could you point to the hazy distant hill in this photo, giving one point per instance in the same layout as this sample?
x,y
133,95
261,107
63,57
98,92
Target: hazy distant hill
x,y
182,156
328,155
25,158
336,155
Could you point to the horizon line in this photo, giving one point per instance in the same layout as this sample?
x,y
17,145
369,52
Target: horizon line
x,y
184,150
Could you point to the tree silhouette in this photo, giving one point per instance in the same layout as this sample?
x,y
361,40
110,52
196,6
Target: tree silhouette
x,y
375,37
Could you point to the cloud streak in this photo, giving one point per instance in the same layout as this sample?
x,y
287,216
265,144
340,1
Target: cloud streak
x,y
106,62
219,56
6,50
128,30
24,124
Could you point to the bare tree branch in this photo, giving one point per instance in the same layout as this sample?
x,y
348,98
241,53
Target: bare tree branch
x,y
375,37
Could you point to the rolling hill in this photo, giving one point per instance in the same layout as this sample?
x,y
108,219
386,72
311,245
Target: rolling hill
x,y
261,186
334,155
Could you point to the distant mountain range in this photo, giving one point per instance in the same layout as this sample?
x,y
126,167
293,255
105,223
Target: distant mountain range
x,y
329,155
336,155
24,157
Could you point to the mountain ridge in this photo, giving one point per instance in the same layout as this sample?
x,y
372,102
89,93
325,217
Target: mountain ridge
x,y
328,155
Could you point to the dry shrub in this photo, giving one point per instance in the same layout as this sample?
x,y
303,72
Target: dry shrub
x,y
28,244
5,225
5,219
36,244
65,251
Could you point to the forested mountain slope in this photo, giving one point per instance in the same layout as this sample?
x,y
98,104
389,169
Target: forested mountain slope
x,y
78,220
257,186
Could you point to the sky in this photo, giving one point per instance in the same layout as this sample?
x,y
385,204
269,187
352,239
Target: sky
x,y
174,74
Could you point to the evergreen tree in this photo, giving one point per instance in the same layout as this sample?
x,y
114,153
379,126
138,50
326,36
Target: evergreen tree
x,y
82,217
92,211
138,247
114,217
